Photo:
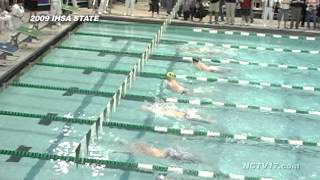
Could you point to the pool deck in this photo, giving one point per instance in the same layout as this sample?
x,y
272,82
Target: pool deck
x,y
30,51
27,52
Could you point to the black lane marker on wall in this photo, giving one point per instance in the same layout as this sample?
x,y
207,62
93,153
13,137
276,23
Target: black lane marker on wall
x,y
17,158
46,121
87,71
70,91
102,54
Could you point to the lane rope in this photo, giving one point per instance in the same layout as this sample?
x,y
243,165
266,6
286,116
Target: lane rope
x,y
140,167
192,101
169,130
254,34
242,62
260,48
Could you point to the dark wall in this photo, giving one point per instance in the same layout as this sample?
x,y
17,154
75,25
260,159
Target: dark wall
x,y
37,5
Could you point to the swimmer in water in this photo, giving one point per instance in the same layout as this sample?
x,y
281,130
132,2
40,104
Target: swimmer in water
x,y
146,149
203,67
167,153
173,112
173,85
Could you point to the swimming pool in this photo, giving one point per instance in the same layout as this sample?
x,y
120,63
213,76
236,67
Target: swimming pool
x,y
260,107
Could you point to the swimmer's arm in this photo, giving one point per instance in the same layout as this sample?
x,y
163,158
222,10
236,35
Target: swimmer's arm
x,y
155,152
148,150
180,114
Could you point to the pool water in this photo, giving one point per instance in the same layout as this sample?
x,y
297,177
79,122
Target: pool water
x,y
115,47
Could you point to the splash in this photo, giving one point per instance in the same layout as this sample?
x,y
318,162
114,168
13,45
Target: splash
x,y
64,149
158,107
69,115
205,50
202,90
98,152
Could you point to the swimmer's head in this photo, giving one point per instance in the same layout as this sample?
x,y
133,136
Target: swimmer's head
x,y
196,60
170,75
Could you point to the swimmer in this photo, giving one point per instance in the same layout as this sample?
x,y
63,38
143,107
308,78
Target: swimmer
x,y
168,153
173,112
173,85
145,149
203,67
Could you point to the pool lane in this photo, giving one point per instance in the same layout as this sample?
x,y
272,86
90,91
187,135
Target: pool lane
x,y
237,39
226,120
261,56
90,59
232,71
30,132
127,31
226,36
224,157
46,101
62,170
104,45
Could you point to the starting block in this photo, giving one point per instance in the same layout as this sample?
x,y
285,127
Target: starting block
x,y
32,33
69,9
8,48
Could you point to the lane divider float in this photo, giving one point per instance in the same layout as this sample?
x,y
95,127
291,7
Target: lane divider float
x,y
170,130
243,33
